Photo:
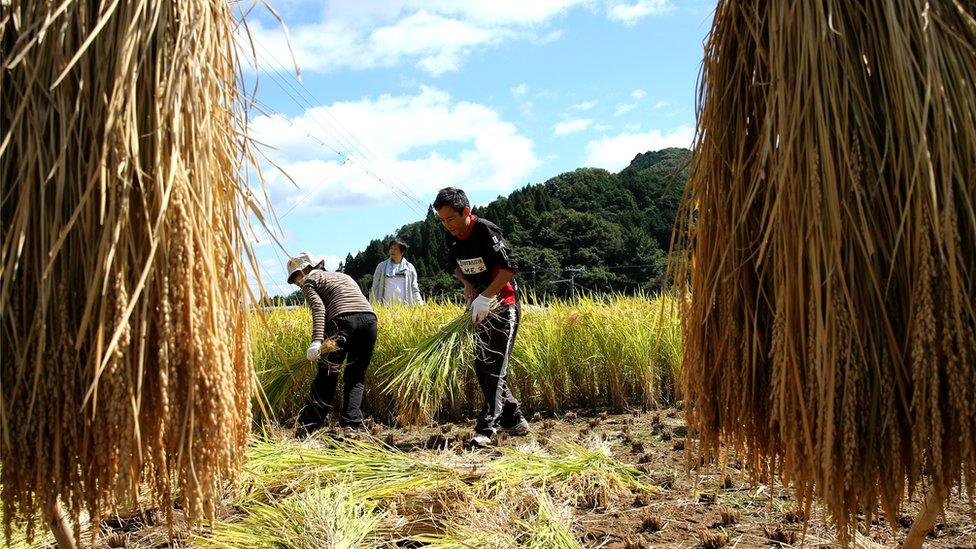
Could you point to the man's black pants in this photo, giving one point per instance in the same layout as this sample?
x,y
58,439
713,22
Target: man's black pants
x,y
494,339
355,335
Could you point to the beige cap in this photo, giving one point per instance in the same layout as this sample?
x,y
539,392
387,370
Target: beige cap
x,y
299,262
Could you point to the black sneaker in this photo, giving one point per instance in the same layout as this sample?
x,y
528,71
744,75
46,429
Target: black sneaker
x,y
519,429
480,440
354,430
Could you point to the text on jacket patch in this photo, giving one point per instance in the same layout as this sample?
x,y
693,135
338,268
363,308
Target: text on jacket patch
x,y
472,266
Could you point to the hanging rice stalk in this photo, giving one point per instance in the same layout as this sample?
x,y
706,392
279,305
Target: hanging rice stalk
x,y
829,325
123,289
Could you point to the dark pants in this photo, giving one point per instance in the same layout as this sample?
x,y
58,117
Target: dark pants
x,y
355,338
493,342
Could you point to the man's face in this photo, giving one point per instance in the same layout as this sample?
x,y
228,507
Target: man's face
x,y
395,253
454,221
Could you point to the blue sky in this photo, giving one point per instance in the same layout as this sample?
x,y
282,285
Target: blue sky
x,y
397,99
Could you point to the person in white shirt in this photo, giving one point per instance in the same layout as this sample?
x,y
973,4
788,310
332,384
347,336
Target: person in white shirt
x,y
395,279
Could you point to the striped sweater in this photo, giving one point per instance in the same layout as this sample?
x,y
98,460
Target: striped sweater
x,y
329,295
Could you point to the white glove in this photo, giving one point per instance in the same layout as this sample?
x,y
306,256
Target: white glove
x,y
312,354
479,308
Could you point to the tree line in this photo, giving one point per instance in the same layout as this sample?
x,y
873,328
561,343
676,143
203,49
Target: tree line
x,y
589,228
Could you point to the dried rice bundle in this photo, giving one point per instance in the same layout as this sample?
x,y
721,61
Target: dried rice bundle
x,y
830,326
124,297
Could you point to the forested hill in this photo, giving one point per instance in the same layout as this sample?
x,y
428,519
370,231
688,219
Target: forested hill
x,y
610,231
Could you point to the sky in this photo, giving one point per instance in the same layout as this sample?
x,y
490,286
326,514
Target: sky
x,y
393,100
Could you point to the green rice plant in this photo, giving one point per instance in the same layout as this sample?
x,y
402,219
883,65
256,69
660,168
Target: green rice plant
x,y
278,343
580,474
551,527
325,515
371,469
619,351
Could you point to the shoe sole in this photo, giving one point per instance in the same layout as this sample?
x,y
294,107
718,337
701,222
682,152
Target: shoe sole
x,y
517,430
479,444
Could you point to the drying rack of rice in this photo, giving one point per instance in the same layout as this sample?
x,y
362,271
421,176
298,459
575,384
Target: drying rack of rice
x,y
124,298
831,275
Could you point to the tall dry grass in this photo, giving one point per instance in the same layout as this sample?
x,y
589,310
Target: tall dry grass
x,y
829,320
123,290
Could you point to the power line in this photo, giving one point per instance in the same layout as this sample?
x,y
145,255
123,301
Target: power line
x,y
399,193
267,111
307,99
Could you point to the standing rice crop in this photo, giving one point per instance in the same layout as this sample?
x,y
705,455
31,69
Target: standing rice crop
x,y
284,374
123,289
619,351
829,315
401,329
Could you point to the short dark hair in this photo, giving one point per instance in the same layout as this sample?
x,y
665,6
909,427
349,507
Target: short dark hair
x,y
399,244
453,197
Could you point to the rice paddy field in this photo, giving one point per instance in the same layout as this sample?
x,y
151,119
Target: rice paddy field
x,y
607,464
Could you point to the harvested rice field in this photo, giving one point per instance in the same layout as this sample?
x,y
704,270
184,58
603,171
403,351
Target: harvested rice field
x,y
580,480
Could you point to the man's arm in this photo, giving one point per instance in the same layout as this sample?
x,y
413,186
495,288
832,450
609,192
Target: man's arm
x,y
503,277
468,288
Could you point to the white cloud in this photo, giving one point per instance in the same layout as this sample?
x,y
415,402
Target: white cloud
x,y
262,236
661,105
435,35
631,13
436,44
584,106
519,90
572,126
331,261
621,109
551,37
500,12
638,94
414,143
615,153
602,127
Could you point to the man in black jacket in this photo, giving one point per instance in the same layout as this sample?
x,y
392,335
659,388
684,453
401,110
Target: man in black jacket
x,y
485,266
